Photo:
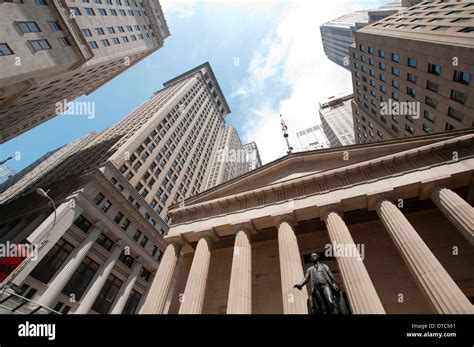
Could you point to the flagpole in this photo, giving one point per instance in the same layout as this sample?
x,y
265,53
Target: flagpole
x,y
285,135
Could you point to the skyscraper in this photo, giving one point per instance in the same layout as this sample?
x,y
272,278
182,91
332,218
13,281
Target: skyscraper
x,y
112,191
336,119
412,72
311,138
51,52
338,34
232,159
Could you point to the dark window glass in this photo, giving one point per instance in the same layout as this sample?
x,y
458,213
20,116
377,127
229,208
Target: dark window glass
x,y
52,261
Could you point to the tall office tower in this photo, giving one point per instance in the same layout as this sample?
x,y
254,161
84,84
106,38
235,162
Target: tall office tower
x,y
52,51
5,173
336,119
252,155
338,34
311,138
112,191
231,159
412,72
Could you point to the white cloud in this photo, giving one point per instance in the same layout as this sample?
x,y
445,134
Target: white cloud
x,y
293,57
184,8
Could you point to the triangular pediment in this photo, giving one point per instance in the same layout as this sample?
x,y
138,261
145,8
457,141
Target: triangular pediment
x,y
304,164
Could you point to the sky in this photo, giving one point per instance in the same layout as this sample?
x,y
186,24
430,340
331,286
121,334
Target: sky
x,y
267,56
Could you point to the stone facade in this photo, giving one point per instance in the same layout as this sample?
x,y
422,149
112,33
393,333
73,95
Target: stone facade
x,y
378,200
56,50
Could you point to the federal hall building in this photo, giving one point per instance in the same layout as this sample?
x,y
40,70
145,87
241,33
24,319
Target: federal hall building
x,y
404,205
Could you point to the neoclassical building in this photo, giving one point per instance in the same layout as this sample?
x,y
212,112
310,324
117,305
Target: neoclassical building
x,y
397,213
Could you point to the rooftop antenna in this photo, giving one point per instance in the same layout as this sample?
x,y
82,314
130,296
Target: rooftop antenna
x,y
284,128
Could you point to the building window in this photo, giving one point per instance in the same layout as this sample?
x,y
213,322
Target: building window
x,y
125,224
395,57
105,242
102,12
395,96
107,295
362,48
52,261
118,217
429,116
383,78
74,11
89,11
382,66
54,25
105,207
145,274
395,71
111,30
98,199
5,50
93,44
99,31
81,278
409,129
126,259
394,128
411,78
113,12
395,84
431,101
462,77
137,235
82,223
132,302
64,42
453,113
41,2
412,62
144,241
383,89
105,42
427,129
434,69
86,32
411,92
430,85
381,53
458,96
371,50
28,27
40,45
449,127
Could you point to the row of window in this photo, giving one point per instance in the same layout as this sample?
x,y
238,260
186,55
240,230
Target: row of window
x,y
75,11
115,40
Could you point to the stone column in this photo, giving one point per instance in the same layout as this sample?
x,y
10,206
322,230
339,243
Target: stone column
x,y
99,280
47,234
126,289
64,274
156,298
360,290
456,209
240,288
291,269
435,283
195,289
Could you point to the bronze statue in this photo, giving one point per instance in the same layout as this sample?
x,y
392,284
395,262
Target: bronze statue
x,y
325,296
